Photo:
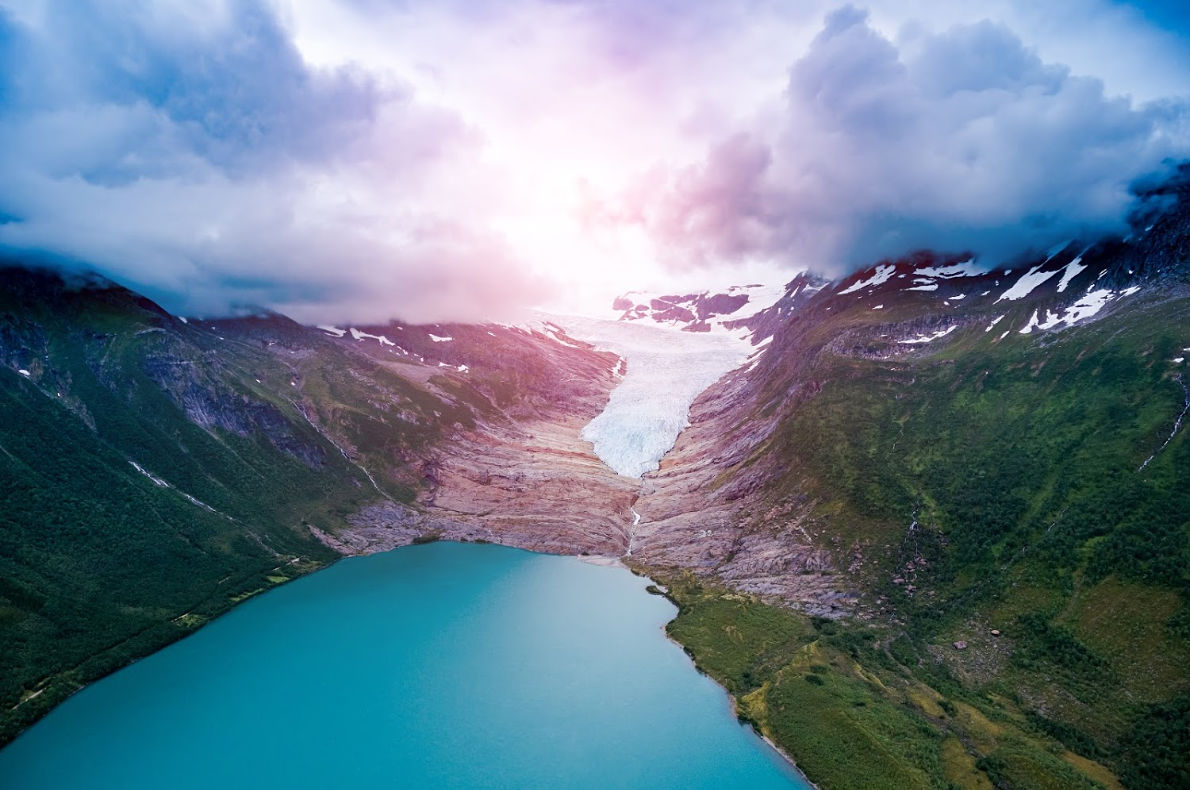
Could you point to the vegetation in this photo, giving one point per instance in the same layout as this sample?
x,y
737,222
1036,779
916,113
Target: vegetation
x,y
990,485
835,698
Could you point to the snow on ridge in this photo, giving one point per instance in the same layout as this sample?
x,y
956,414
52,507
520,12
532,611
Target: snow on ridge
x,y
757,298
929,287
1025,285
760,297
358,335
931,337
440,339
332,330
965,268
1071,271
879,277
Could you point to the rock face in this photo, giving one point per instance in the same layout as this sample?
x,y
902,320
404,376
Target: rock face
x,y
533,482
698,512
521,475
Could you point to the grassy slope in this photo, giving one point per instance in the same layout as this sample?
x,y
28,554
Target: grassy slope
x,y
271,427
98,564
1016,465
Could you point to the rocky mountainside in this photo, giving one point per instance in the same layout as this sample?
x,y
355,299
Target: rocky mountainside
x,y
158,470
984,471
939,516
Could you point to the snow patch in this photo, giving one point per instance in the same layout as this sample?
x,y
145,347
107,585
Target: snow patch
x,y
966,268
1071,271
358,335
440,339
1025,285
1084,308
931,337
930,287
24,373
878,307
879,277
332,330
995,321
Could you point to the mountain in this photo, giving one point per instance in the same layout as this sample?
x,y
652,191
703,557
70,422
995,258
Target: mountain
x,y
932,534
984,473
699,312
157,470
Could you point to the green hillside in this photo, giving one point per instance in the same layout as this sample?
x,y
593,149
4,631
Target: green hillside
x,y
987,484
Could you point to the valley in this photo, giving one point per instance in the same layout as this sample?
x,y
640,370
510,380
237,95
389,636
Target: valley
x,y
928,527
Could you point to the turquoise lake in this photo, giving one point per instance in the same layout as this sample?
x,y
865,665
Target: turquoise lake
x,y
437,666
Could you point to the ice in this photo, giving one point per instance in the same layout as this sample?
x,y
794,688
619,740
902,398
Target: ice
x,y
667,369
440,339
880,276
1025,285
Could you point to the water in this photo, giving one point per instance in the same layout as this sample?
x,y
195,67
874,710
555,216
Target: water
x,y
438,666
667,370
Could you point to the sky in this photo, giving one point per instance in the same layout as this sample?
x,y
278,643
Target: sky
x,y
356,161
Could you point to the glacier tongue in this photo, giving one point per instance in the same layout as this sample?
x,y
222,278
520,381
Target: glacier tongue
x,y
667,369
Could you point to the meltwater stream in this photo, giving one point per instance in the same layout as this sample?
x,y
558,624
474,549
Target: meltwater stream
x,y
439,666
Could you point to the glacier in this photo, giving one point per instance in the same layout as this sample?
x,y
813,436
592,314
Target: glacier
x,y
666,371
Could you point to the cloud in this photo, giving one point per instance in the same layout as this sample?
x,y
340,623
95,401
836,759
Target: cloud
x,y
960,139
454,159
187,149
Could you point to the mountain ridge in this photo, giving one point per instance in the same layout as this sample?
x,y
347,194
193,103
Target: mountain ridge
x,y
917,454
